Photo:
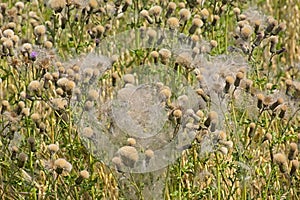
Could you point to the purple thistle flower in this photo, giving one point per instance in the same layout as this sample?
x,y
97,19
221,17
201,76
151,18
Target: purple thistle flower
x,y
33,55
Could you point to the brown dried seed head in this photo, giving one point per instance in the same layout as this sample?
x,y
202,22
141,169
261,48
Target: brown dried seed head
x,y
84,174
53,148
129,78
131,141
129,155
246,31
280,158
213,43
40,30
229,79
260,97
34,86
197,22
204,13
185,14
177,113
236,11
149,153
268,137
173,23
155,10
172,6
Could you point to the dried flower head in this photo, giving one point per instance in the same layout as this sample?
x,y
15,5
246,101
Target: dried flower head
x,y
281,160
293,151
131,142
53,148
184,14
129,155
212,115
84,174
22,159
40,30
61,164
129,78
57,5
196,23
173,23
295,166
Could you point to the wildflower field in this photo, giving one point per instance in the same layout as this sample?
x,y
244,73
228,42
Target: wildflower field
x,y
149,99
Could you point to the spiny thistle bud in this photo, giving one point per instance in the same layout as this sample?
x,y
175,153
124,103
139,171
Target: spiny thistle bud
x,y
212,115
295,166
278,102
31,142
84,174
260,99
281,160
129,155
22,159
293,151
